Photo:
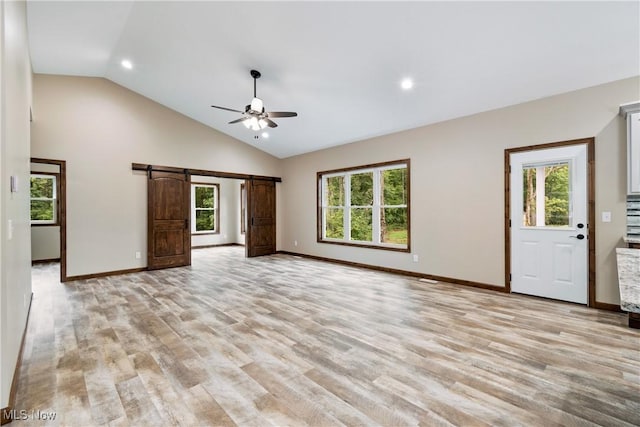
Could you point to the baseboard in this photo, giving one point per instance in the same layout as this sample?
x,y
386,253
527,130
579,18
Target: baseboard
x,y
607,306
216,246
5,418
44,261
401,272
103,274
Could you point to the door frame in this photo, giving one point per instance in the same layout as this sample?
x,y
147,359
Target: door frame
x,y
591,210
62,206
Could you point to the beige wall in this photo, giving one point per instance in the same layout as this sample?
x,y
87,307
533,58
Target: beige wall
x,y
457,184
15,272
457,175
100,128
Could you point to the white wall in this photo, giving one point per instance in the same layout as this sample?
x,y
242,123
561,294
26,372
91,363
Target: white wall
x,y
100,128
457,184
15,268
229,213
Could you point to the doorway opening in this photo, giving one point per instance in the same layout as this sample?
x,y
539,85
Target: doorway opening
x,y
48,189
218,212
184,204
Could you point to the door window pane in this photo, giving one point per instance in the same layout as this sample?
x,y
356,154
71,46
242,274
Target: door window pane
x,y
546,195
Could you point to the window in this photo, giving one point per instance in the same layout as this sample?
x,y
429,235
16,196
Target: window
x,y
546,195
365,206
44,193
204,208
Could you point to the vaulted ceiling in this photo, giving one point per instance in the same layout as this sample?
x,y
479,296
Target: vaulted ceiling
x,y
338,64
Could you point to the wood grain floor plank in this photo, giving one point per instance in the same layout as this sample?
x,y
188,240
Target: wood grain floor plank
x,y
283,340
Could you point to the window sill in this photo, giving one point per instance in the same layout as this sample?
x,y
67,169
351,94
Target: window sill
x,y
367,246
45,224
204,233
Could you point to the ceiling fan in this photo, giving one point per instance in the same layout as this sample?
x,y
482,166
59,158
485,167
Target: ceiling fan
x,y
254,116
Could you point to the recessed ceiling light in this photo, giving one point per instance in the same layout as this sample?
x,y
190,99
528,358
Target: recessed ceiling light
x,y
126,64
406,84
265,135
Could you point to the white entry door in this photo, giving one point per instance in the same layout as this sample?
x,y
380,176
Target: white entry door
x,y
549,248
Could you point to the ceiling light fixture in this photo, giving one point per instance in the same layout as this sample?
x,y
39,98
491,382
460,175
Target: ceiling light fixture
x,y
406,84
254,116
255,123
126,64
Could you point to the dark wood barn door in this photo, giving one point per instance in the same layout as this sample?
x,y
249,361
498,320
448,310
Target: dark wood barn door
x,y
261,217
169,234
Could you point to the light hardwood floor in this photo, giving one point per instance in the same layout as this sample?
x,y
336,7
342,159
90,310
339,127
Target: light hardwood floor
x,y
282,340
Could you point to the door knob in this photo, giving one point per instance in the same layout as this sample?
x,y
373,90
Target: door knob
x,y
579,236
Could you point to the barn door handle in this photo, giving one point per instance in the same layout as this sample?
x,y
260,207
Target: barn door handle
x,y
579,236
186,224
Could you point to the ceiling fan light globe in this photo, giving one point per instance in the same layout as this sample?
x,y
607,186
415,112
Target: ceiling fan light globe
x,y
252,123
262,123
257,105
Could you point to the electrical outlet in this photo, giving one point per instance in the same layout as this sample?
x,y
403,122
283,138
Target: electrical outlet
x,y
138,255
606,216
416,258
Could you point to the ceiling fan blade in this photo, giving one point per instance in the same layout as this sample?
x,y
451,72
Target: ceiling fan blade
x,y
281,114
228,109
241,119
270,123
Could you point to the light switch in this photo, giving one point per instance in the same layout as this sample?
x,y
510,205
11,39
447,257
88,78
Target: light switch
x,y
606,216
9,229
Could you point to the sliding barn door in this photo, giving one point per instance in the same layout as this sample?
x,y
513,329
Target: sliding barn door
x,y
261,218
169,235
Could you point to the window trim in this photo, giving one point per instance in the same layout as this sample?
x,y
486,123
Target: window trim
x,y
56,203
216,208
364,168
243,209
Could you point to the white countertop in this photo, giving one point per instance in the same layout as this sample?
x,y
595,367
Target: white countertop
x,y
631,239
